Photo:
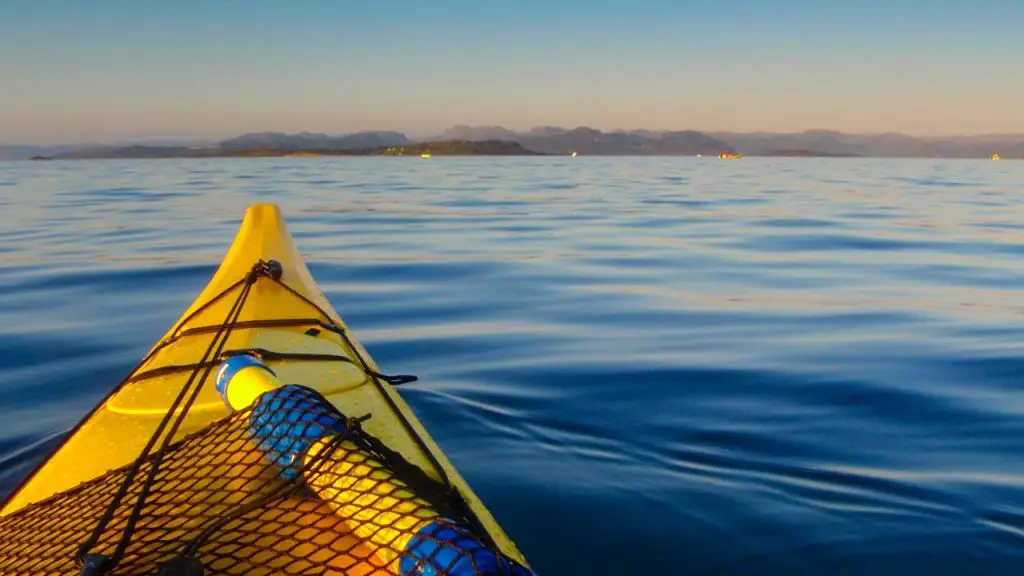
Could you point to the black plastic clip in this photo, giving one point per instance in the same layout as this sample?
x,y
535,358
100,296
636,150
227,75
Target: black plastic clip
x,y
181,566
275,269
94,565
396,379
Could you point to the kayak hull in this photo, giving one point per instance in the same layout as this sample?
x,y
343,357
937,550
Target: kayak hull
x,y
292,320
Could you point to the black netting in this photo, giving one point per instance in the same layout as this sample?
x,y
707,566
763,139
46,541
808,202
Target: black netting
x,y
287,486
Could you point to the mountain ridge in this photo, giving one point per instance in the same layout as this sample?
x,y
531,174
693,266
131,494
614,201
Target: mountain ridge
x,y
583,140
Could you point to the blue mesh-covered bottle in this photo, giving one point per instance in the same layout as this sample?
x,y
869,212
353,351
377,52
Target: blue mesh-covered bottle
x,y
293,425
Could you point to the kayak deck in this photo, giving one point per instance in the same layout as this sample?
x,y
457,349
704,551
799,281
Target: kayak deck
x,y
289,323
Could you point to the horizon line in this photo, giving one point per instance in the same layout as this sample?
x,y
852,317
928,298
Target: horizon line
x,y
522,131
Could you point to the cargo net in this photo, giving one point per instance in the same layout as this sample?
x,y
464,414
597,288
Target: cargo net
x,y
288,485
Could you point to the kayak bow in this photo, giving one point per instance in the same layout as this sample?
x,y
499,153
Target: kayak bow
x,y
281,318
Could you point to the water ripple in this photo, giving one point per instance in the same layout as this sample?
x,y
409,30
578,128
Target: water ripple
x,y
791,366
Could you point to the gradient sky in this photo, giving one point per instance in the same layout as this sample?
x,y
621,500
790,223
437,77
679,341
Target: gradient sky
x,y
91,70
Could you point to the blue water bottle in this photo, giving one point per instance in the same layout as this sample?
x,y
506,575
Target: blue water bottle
x,y
291,423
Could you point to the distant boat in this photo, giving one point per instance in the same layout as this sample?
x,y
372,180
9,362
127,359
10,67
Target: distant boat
x,y
726,155
573,154
425,155
996,157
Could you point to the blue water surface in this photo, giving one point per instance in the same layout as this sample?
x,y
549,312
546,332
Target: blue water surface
x,y
642,365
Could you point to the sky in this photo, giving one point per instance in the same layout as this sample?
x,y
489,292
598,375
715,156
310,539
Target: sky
x,y
115,70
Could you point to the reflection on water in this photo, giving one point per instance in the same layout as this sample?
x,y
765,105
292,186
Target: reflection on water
x,y
642,365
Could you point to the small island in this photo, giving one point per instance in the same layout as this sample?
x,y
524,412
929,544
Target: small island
x,y
809,154
457,148
439,148
420,149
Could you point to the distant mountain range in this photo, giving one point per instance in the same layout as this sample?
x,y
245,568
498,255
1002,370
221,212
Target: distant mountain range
x,y
20,152
556,140
23,152
890,145
313,141
808,143
588,141
261,147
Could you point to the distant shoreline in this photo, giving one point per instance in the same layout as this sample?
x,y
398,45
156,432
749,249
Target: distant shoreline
x,y
807,154
269,153
547,141
440,148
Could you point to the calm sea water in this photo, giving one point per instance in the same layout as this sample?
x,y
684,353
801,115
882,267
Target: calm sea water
x,y
642,365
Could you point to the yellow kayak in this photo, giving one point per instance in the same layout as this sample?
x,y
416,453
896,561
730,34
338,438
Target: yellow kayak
x,y
171,473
